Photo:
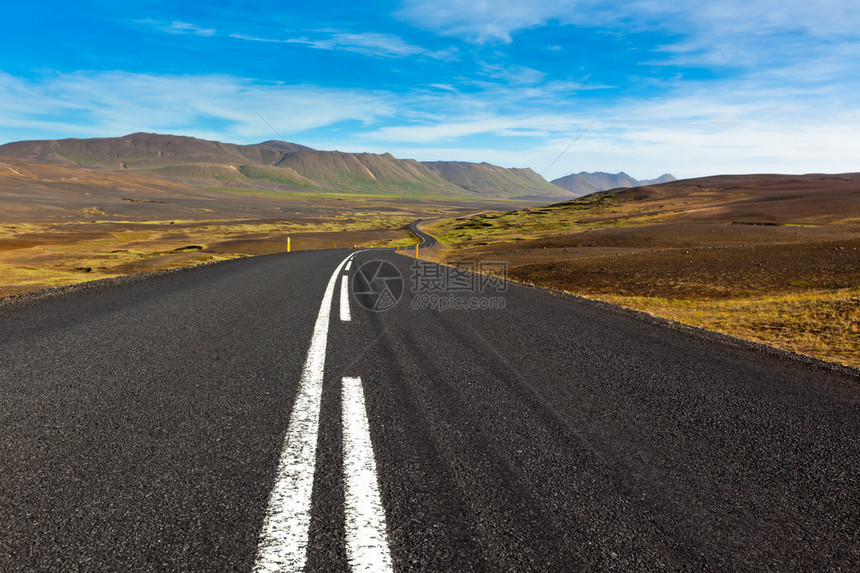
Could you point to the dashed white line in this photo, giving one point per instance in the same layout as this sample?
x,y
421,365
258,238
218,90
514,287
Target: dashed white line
x,y
284,539
366,539
348,265
345,315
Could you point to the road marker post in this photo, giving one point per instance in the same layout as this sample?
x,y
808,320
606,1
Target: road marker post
x,y
416,251
288,244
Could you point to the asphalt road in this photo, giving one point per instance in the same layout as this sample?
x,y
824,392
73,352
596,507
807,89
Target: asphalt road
x,y
224,418
426,240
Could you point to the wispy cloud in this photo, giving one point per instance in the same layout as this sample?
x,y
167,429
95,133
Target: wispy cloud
x,y
217,107
498,20
513,74
780,87
703,32
498,125
177,27
696,128
370,44
483,20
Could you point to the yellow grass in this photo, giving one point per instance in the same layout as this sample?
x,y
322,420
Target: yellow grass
x,y
49,258
407,241
825,324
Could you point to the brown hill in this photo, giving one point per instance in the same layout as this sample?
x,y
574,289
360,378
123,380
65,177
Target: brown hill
x,y
284,165
195,160
145,150
37,192
712,237
751,199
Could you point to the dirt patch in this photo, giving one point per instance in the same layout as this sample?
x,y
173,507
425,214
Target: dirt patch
x,y
695,272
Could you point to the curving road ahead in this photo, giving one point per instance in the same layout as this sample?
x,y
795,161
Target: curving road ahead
x,y
256,415
426,240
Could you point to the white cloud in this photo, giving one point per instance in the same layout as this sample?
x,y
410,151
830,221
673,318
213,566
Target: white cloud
x,y
186,28
513,74
217,107
367,43
785,96
498,20
449,129
696,129
705,32
482,20
176,27
371,44
720,129
647,151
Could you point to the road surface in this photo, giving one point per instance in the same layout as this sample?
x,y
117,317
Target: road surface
x,y
254,415
426,240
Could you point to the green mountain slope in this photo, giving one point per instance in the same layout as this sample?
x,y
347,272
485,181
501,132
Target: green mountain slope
x,y
497,181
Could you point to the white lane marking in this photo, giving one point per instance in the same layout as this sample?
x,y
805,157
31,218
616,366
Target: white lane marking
x,y
348,265
366,540
284,539
345,316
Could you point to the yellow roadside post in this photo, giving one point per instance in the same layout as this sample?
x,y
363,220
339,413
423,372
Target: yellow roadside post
x,y
288,244
416,251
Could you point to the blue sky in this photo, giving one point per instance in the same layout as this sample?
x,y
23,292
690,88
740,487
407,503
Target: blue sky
x,y
689,87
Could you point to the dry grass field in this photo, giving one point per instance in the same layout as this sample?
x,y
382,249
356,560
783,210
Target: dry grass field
x,y
35,256
775,259
61,225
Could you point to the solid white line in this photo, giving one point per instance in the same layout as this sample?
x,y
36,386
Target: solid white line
x,y
344,299
366,540
284,539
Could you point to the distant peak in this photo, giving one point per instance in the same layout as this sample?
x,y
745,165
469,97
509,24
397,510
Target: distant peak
x,y
584,182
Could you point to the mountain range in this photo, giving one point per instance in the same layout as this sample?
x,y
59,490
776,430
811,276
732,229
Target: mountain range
x,y
282,165
584,183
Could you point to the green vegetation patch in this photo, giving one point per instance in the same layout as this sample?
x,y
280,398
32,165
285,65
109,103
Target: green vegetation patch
x,y
591,212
